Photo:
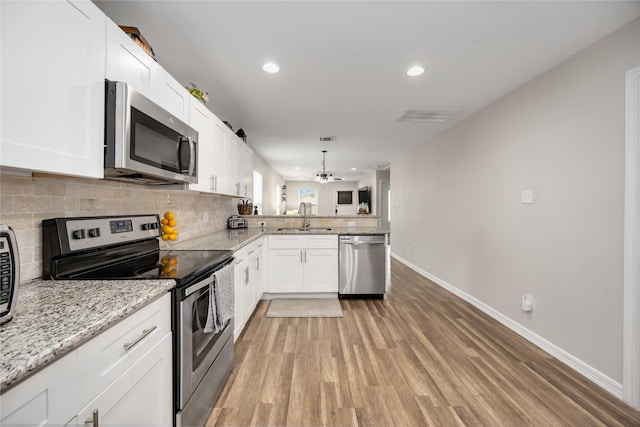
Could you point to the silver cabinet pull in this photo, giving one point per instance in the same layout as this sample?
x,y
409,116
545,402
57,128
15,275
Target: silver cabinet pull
x,y
246,276
258,263
301,257
128,346
305,257
93,420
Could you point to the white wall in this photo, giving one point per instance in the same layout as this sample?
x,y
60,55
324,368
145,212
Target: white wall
x,y
460,218
326,196
270,178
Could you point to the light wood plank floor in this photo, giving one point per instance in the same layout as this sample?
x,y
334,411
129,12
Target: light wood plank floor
x,y
421,357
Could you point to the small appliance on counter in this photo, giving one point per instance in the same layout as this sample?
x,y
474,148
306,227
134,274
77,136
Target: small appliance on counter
x,y
9,273
236,221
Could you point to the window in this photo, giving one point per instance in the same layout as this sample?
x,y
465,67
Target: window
x,y
345,197
310,199
257,191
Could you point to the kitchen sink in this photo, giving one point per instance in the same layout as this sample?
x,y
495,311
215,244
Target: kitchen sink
x,y
304,229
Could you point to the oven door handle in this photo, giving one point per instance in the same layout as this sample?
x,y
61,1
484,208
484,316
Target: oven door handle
x,y
201,284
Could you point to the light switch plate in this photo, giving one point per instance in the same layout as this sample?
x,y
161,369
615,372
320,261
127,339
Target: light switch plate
x,y
526,196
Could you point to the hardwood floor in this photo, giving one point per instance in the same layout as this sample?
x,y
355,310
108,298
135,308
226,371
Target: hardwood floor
x,y
421,357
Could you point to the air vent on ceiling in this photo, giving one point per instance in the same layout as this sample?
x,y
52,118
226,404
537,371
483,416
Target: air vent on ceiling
x,y
328,138
432,116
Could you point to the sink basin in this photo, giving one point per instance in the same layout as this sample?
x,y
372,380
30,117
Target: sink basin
x,y
305,229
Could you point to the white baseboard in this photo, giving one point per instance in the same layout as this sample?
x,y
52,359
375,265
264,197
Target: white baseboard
x,y
595,376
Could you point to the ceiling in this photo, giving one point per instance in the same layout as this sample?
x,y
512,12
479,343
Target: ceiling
x,y
343,66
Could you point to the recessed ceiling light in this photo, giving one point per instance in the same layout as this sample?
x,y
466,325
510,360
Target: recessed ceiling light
x,y
415,71
296,168
270,67
353,169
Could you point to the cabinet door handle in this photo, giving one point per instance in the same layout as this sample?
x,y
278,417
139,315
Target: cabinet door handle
x,y
301,257
246,276
128,346
211,183
258,263
215,183
305,257
93,420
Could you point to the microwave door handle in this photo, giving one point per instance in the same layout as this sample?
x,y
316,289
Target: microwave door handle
x,y
192,157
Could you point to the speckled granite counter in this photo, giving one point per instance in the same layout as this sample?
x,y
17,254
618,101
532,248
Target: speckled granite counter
x,y
54,317
220,240
236,239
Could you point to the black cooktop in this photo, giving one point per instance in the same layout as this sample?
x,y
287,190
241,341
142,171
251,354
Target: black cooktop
x,y
182,266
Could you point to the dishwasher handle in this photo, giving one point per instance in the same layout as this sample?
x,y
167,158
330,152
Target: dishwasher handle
x,y
360,243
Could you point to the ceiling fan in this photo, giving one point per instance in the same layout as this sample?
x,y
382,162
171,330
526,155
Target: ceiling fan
x,y
323,176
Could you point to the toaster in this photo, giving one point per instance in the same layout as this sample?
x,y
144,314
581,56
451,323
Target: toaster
x,y
9,273
236,221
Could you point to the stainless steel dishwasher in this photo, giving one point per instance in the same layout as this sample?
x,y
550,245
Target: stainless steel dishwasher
x,y
363,266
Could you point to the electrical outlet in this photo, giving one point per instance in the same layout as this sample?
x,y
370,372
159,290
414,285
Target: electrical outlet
x,y
262,224
526,196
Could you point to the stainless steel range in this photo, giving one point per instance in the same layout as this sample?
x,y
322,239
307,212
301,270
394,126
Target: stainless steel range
x,y
127,247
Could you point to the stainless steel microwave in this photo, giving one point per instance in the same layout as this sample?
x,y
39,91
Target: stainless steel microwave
x,y
144,143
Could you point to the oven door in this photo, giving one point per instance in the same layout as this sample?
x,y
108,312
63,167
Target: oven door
x,y
198,350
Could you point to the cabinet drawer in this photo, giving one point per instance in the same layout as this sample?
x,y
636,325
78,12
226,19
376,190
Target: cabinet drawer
x,y
285,242
48,397
321,241
103,359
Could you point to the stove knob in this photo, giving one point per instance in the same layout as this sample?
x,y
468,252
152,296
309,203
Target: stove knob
x,y
94,232
154,225
78,234
146,226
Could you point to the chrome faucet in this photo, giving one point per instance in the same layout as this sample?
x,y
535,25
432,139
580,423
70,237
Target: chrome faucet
x,y
302,209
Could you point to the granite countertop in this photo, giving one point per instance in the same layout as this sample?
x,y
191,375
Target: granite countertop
x,y
237,238
54,317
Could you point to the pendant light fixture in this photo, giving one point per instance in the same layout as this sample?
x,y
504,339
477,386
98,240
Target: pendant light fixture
x,y
324,176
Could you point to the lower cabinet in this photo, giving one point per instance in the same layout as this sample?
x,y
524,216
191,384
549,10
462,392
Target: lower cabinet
x,y
47,398
139,397
123,376
303,263
247,283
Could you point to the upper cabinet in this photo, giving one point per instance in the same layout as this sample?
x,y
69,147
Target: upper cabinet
x,y
127,62
56,56
53,71
202,120
243,169
173,96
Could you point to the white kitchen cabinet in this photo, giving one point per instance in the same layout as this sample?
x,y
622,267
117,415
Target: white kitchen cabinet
x,y
125,373
52,78
202,120
173,97
307,264
223,165
106,357
243,169
247,284
127,62
142,396
47,398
